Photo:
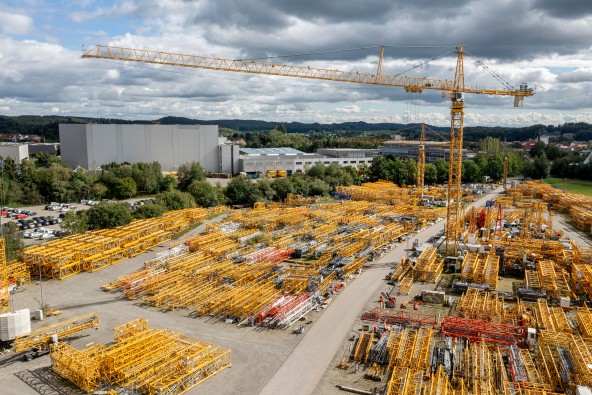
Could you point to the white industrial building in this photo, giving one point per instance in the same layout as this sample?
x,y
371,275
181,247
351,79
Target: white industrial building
x,y
18,152
93,145
229,155
255,161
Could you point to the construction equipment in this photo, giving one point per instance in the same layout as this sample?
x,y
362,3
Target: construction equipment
x,y
456,90
41,338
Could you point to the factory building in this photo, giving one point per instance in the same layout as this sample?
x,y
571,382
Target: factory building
x,y
18,152
92,145
286,161
410,149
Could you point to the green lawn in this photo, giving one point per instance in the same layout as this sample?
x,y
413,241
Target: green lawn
x,y
573,186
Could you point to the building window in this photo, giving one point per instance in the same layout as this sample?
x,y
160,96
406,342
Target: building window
x,y
298,163
308,163
326,162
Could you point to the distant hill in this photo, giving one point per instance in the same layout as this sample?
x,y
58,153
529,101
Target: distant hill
x,y
48,126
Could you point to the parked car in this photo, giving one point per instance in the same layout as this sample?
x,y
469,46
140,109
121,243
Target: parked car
x,y
21,216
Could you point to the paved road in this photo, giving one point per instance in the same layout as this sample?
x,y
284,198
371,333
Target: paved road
x,y
306,365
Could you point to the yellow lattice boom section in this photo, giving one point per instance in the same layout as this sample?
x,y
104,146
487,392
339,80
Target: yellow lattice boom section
x,y
96,250
42,337
149,361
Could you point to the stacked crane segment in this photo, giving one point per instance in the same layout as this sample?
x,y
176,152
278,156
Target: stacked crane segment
x,y
584,319
406,285
469,264
227,275
363,346
547,276
42,337
143,360
81,368
565,358
404,266
479,304
17,272
96,250
428,267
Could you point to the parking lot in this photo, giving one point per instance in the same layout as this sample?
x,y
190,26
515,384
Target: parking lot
x,y
42,221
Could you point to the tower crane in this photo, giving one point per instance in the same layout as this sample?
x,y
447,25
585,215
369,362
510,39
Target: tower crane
x,y
456,90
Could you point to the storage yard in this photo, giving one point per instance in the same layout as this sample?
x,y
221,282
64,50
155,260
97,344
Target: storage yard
x,y
262,290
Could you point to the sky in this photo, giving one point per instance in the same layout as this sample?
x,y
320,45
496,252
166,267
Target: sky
x,y
542,42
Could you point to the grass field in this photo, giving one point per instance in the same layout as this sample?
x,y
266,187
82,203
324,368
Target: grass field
x,y
573,186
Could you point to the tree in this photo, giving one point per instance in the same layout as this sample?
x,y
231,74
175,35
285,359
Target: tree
x,y
399,172
316,171
553,152
442,170
319,188
282,187
264,187
242,191
98,190
204,193
75,222
379,169
430,174
175,200
109,215
537,149
147,176
471,172
189,172
167,183
490,145
148,210
125,188
494,168
301,185
541,167
13,241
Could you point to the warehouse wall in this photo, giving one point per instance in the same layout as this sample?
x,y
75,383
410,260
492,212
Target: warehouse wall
x,y
94,145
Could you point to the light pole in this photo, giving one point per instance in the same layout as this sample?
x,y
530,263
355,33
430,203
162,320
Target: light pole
x,y
41,289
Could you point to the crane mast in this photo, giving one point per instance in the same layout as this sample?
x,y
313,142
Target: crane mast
x,y
454,206
456,90
421,162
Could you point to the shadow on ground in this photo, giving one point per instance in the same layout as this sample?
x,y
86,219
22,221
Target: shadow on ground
x,y
45,381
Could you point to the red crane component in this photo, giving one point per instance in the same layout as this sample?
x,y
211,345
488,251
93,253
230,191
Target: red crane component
x,y
478,330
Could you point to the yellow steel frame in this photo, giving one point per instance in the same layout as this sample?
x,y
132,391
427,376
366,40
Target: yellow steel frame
x,y
41,338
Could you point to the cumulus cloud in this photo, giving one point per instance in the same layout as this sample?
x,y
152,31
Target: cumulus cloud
x,y
15,23
519,40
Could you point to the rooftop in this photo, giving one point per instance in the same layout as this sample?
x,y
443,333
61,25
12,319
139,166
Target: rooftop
x,y
271,151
